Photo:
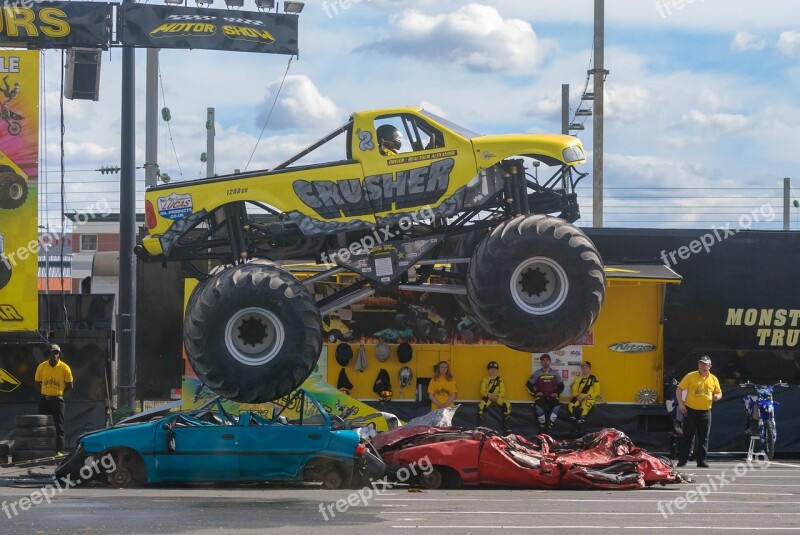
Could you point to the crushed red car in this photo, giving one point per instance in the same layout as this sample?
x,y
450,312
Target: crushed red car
x,y
606,459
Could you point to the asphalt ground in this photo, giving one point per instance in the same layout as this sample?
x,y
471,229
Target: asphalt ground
x,y
730,496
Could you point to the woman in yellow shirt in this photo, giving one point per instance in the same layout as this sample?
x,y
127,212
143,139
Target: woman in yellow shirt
x,y
442,388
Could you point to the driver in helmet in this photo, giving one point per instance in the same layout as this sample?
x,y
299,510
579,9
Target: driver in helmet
x,y
389,140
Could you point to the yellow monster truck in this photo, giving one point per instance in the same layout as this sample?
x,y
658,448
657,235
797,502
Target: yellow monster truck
x,y
390,197
13,184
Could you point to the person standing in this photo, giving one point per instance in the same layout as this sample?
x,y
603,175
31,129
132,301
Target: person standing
x,y
702,390
545,385
54,378
585,390
442,388
493,390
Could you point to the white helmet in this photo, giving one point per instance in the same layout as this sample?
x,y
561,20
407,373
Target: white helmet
x,y
404,376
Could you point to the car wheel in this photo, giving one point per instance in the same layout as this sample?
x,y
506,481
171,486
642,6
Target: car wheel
x,y
536,283
129,471
13,190
252,333
333,479
432,480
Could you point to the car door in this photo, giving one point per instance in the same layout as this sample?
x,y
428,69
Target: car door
x,y
420,173
190,449
281,450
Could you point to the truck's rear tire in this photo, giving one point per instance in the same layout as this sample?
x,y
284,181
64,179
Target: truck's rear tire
x,y
252,333
13,190
536,283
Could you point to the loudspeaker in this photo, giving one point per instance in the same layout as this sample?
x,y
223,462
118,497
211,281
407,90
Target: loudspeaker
x,y
83,74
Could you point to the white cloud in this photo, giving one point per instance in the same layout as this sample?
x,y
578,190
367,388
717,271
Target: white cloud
x,y
729,122
746,41
474,36
300,105
789,44
626,103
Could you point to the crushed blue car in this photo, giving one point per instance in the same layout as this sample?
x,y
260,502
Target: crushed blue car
x,y
208,444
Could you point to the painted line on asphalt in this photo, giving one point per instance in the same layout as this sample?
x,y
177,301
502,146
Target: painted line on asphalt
x,y
785,464
582,500
538,513
539,526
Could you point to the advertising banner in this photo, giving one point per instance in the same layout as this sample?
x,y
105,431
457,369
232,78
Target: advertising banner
x,y
56,24
19,149
152,26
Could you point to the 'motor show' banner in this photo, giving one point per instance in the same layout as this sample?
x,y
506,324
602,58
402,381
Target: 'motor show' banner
x,y
150,26
55,24
19,170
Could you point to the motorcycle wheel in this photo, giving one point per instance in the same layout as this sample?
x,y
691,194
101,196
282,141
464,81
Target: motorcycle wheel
x,y
769,438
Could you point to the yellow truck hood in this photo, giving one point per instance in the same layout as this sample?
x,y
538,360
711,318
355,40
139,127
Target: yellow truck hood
x,y
550,149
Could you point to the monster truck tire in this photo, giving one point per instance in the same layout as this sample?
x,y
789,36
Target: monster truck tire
x,y
252,333
13,190
465,248
423,329
536,283
5,272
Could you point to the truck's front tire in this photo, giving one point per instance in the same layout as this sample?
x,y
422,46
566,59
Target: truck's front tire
x,y
252,333
13,190
536,283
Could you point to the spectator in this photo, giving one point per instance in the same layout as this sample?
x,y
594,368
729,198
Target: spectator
x,y
442,388
545,385
54,378
585,390
493,391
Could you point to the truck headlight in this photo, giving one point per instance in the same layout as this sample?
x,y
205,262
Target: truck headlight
x,y
573,154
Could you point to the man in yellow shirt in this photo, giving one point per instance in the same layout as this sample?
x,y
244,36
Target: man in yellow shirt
x,y
702,389
54,379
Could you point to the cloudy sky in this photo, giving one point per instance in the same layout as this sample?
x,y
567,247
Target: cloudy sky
x,y
702,115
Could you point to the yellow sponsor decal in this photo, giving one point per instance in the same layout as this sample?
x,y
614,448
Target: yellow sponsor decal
x,y
422,157
9,313
8,383
171,29
21,22
246,33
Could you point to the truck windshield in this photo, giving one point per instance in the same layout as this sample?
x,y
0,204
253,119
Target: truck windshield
x,y
460,130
